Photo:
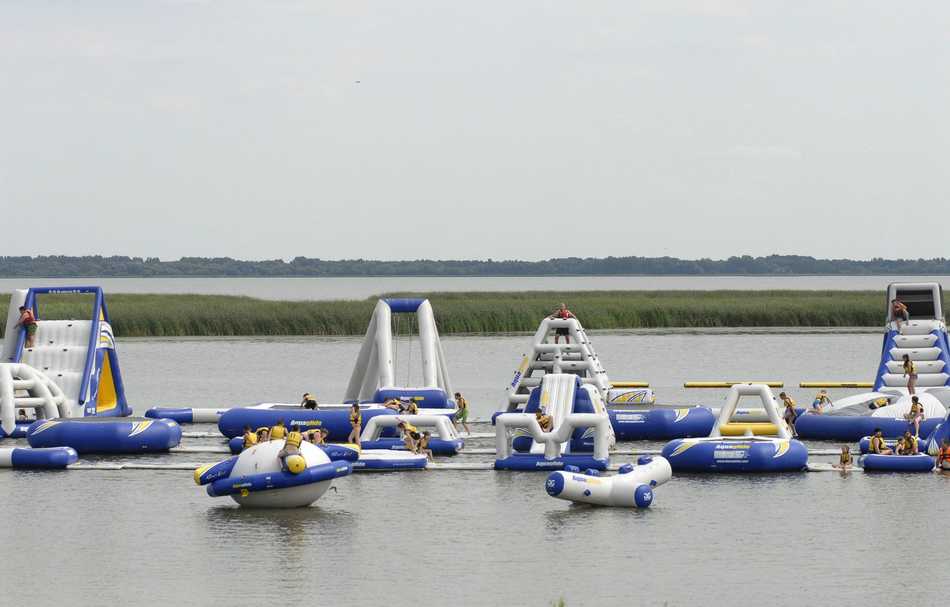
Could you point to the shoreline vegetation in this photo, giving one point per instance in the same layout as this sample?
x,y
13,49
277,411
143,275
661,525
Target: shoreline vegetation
x,y
61,266
166,315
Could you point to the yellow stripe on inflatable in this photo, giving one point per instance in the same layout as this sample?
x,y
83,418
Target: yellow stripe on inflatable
x,y
629,384
201,470
141,427
836,384
781,448
740,428
686,444
729,384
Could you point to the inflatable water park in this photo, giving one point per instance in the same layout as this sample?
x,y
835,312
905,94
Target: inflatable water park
x,y
62,400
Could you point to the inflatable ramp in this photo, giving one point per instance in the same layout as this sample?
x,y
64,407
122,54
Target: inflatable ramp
x,y
923,338
374,375
78,355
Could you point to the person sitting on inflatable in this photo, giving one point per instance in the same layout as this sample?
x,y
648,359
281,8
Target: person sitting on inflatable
x,y
907,445
356,423
844,462
899,311
263,434
412,408
790,414
878,445
821,399
916,414
410,435
394,404
545,421
309,402
291,445
943,458
250,437
318,437
279,431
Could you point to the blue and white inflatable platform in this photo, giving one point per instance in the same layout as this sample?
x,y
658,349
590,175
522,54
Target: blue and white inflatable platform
x,y
923,339
718,453
580,433
631,487
97,435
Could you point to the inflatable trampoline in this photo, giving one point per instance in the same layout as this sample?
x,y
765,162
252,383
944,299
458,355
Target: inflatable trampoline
x,y
631,487
256,477
106,435
718,453
897,463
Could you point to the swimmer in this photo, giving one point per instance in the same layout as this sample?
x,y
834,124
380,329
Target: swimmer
x,y
877,445
356,424
250,437
844,461
461,416
790,414
279,431
291,445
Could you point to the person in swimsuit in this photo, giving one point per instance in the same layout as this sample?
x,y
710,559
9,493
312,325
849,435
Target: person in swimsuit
x,y
844,461
356,424
910,372
898,312
878,445
28,322
461,416
790,414
562,313
410,435
309,402
916,414
821,400
545,421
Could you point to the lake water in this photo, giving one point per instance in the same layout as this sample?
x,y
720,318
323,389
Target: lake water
x,y
298,289
478,537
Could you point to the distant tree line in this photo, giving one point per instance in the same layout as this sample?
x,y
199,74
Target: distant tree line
x,y
53,266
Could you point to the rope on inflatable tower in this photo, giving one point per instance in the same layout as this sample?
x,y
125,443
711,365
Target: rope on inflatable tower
x,y
409,355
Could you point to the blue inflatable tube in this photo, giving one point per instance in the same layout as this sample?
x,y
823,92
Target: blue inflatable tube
x,y
662,424
736,455
336,420
212,472
438,446
18,432
267,481
897,463
37,459
534,462
425,398
865,444
369,460
343,452
106,435
852,429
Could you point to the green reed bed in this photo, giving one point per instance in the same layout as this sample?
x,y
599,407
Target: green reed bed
x,y
138,315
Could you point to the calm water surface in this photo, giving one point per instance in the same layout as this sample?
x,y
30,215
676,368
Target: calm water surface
x,y
362,287
480,537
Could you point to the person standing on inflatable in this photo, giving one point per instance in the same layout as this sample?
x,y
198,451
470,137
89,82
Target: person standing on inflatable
x,y
899,311
291,445
356,423
461,416
562,313
28,322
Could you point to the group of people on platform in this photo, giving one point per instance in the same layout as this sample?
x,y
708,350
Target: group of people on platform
x,y
819,405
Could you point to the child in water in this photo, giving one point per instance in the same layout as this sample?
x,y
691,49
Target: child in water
x,y
844,461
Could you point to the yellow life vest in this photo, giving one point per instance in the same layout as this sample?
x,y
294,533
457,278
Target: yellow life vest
x,y
294,439
356,419
411,428
278,432
250,439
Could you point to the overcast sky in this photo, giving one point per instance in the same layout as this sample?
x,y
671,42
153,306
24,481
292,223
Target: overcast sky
x,y
405,129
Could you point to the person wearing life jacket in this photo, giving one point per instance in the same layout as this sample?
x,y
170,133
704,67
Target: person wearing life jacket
x,y
910,372
916,414
461,416
309,402
844,461
790,414
291,445
410,435
279,431
877,445
423,445
250,437
562,313
412,408
545,421
907,444
898,312
28,322
821,399
943,457
317,437
356,424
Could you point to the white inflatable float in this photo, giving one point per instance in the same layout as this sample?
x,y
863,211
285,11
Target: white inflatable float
x,y
632,487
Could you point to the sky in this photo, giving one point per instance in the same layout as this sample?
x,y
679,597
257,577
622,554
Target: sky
x,y
474,130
